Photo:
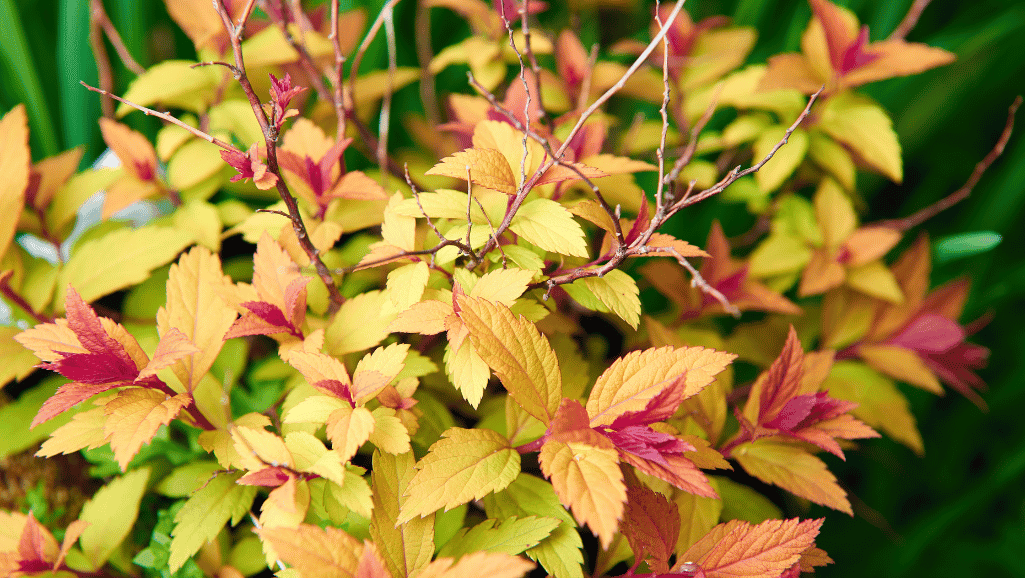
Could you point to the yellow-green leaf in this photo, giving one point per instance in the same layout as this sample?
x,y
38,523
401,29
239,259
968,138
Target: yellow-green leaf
x,y
111,514
865,127
117,260
551,227
795,470
463,465
205,514
775,172
618,291
880,404
174,84
509,535
408,547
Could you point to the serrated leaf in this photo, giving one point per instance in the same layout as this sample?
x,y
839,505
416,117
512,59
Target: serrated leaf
x,y
510,535
408,547
793,469
93,273
389,434
376,370
464,465
737,549
85,430
502,285
111,513
589,481
651,524
618,291
205,514
315,552
173,83
635,378
359,324
880,404
519,355
551,227
491,564
406,285
485,167
133,417
867,130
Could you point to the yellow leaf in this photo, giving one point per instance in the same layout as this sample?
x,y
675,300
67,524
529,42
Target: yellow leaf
x,y
466,369
502,285
485,167
775,172
406,285
259,448
792,468
221,443
314,409
463,465
589,481
876,280
315,552
398,230
426,318
173,84
389,434
831,157
311,455
349,428
880,404
477,564
15,159
93,273
376,370
864,127
85,430
111,513
406,548
900,363
203,221
835,214
593,211
519,355
551,227
133,417
317,367
359,324
738,549
74,193
51,341
779,254
635,378
449,204
196,307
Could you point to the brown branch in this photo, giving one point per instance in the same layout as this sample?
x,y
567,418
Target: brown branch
x,y
166,117
424,54
14,297
660,153
961,194
104,74
384,121
270,135
910,20
336,73
362,50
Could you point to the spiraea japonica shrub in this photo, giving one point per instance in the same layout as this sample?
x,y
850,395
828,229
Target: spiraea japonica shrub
x,y
492,352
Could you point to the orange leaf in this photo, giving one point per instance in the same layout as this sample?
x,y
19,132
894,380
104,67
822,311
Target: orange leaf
x,y
132,148
485,167
133,417
793,469
15,160
315,552
589,481
172,347
477,564
738,549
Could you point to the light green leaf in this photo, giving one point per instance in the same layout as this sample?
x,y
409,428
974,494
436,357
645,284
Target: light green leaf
x,y
111,513
509,535
119,259
463,465
205,514
405,548
551,227
964,245
618,292
779,168
865,127
173,84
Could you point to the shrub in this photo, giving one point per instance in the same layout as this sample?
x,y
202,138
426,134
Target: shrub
x,y
414,360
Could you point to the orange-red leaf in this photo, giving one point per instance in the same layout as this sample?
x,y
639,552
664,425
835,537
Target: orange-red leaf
x,y
651,524
737,549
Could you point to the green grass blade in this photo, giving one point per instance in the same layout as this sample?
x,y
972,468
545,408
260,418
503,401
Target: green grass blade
x,y
17,59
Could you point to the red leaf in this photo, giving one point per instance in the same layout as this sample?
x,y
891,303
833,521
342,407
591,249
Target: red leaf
x,y
651,524
68,395
929,333
336,388
680,472
784,378
269,313
269,477
658,408
94,368
87,327
646,443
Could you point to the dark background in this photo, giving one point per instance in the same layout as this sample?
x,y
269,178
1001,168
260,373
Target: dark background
x,y
957,511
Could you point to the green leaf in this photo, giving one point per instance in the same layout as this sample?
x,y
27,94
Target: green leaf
x,y
206,513
117,260
740,502
551,227
464,465
18,62
174,84
16,417
865,127
509,535
617,291
964,245
775,172
111,513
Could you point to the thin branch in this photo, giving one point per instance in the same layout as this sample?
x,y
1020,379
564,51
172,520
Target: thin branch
x,y
424,54
270,136
362,50
910,20
385,119
336,72
100,17
961,194
695,131
660,153
166,117
622,81
15,298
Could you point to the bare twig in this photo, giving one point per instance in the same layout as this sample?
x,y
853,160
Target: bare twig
x,y
910,19
166,117
961,194
424,54
385,119
357,59
660,153
270,136
336,72
99,20
692,143
15,298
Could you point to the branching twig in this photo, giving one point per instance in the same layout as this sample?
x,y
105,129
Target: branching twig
x,y
270,135
166,117
910,20
961,194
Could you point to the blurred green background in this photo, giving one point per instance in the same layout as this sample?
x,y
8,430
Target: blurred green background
x,y
959,510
